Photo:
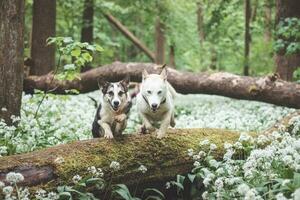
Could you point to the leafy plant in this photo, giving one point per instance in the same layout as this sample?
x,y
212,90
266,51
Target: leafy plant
x,y
288,36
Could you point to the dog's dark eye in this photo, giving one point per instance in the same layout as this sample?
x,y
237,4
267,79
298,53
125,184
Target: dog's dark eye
x,y
159,92
121,93
111,93
149,92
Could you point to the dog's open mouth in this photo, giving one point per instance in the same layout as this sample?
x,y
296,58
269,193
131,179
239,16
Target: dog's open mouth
x,y
154,109
115,108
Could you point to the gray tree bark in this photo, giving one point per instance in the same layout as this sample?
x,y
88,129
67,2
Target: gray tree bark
x,y
11,57
43,27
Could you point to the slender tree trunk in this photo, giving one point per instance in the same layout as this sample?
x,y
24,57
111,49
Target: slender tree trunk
x,y
200,22
11,57
87,21
268,20
254,11
287,64
124,30
172,56
43,27
247,37
87,26
159,42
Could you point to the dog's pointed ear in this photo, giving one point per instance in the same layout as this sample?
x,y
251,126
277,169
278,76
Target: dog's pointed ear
x,y
103,85
145,74
164,73
125,82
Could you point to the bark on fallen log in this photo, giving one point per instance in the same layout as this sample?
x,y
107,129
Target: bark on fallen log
x,y
164,158
268,89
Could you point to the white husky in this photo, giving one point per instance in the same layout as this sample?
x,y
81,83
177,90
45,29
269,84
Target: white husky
x,y
155,102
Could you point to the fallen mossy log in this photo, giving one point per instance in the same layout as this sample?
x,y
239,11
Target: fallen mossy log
x,y
268,89
164,158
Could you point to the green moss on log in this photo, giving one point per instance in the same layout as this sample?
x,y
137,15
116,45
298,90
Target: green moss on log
x,y
164,158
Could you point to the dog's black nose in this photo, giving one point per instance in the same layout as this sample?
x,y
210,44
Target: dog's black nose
x,y
116,103
154,105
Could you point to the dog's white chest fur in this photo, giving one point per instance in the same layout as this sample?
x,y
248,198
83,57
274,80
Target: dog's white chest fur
x,y
155,102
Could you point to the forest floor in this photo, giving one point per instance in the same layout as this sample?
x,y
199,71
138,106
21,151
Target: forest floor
x,y
64,118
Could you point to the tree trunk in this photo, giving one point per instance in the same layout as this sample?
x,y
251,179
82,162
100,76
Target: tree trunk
x,y
87,21
254,11
163,158
287,64
268,20
129,35
172,56
43,27
266,89
11,57
160,41
200,22
247,37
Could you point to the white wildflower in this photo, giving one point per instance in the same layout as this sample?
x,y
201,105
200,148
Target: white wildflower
x,y
13,177
196,157
197,164
244,137
219,184
238,145
4,109
212,147
205,195
52,196
143,169
190,152
115,165
250,194
214,163
220,171
7,190
168,185
204,142
206,182
76,179
202,154
243,188
227,145
40,194
92,170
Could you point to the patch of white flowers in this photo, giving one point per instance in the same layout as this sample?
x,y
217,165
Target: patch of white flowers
x,y
114,165
13,191
66,118
143,169
253,168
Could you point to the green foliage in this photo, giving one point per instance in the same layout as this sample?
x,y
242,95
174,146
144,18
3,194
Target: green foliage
x,y
288,36
223,27
79,53
122,192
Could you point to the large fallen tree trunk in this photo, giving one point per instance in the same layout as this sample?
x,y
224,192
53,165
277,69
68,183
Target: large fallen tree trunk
x,y
267,89
164,158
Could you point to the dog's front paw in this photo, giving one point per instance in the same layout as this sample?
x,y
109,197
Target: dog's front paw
x,y
150,128
173,123
143,130
120,118
108,136
160,134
